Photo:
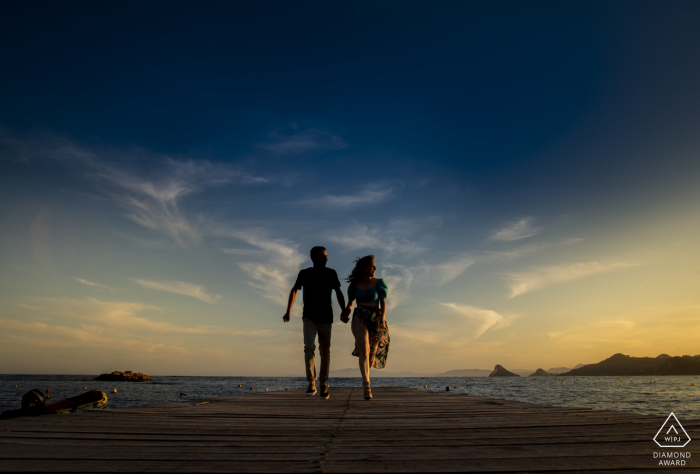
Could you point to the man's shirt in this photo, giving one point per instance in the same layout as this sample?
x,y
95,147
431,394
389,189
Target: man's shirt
x,y
318,286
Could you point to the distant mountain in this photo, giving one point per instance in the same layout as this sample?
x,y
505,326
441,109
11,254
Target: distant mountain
x,y
500,371
540,373
578,366
559,370
522,372
621,364
465,373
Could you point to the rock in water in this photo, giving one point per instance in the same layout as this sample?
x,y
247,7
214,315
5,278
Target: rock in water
x,y
127,376
500,371
540,373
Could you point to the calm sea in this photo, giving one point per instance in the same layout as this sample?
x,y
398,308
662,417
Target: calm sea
x,y
625,394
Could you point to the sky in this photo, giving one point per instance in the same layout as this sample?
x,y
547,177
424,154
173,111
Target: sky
x,y
527,175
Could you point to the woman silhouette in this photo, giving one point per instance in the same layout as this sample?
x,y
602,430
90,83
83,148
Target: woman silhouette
x,y
369,319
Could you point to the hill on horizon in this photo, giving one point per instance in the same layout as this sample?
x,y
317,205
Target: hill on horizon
x,y
621,364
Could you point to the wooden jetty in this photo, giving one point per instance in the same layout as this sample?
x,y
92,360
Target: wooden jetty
x,y
401,430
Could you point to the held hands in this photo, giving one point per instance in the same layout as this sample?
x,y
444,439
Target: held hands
x,y
345,315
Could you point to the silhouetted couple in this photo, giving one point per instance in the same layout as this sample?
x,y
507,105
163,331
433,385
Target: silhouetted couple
x,y
368,320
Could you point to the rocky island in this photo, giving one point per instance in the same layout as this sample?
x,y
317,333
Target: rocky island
x,y
500,371
127,376
541,373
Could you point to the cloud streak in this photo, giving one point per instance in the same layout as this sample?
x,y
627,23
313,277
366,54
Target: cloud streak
x,y
181,288
525,282
403,279
392,240
151,195
311,139
369,196
275,267
485,319
517,230
157,204
93,284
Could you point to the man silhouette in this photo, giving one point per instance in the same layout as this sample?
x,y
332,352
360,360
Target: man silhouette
x,y
318,283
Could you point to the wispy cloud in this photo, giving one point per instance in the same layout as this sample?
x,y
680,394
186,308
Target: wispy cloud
x,y
516,230
27,306
93,284
152,195
124,315
523,250
156,203
485,319
390,240
368,196
397,236
306,140
538,278
102,320
180,288
274,265
402,279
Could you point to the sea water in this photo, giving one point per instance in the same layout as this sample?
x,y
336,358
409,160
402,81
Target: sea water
x,y
625,394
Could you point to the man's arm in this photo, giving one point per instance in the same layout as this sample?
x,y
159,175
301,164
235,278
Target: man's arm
x,y
290,303
341,302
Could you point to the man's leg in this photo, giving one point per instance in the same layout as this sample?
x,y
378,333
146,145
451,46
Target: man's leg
x,y
324,342
310,331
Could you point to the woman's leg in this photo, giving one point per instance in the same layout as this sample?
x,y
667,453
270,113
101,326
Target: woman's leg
x,y
362,340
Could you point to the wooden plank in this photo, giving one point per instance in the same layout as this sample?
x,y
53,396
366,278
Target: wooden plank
x,y
336,453
40,466
636,463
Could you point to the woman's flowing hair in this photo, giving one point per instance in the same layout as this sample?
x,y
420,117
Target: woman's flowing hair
x,y
359,270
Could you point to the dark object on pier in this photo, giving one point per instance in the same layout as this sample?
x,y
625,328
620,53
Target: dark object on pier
x,y
127,376
33,406
33,400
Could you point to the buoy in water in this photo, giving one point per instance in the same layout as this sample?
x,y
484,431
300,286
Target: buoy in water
x,y
15,386
692,384
60,385
266,390
454,386
447,389
424,386
114,390
286,389
48,396
183,394
239,385
251,388
48,391
84,388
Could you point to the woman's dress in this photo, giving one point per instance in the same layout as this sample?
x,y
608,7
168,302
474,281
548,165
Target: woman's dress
x,y
370,316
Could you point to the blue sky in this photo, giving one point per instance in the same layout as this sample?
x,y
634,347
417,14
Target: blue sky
x,y
525,173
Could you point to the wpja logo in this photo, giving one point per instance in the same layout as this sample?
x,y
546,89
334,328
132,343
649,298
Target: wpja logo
x,y
672,435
